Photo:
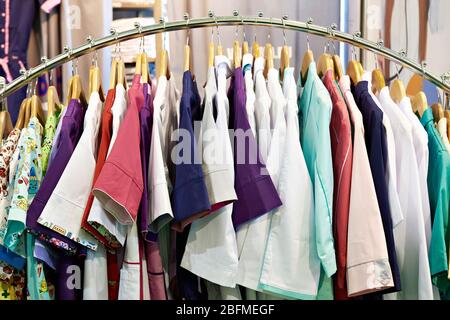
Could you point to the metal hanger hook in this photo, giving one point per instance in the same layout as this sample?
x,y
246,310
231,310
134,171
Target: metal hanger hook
x,y
244,38
186,17
217,31
396,68
285,17
270,31
75,67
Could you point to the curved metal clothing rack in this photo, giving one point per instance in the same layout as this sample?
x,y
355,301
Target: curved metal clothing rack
x,y
216,21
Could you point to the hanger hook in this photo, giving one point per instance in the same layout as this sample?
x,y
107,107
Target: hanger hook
x,y
219,42
270,29
75,67
308,22
396,68
244,38
283,19
186,17
259,15
211,15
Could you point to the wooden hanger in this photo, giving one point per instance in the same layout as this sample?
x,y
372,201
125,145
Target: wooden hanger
x,y
138,65
354,72
36,109
324,64
255,49
237,56
211,54
6,125
145,72
308,58
75,90
268,56
164,68
419,103
97,82
27,112
397,90
447,116
438,112
53,103
284,60
337,67
187,53
21,117
378,82
245,48
113,74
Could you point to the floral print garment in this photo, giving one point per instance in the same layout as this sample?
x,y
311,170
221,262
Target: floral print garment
x,y
38,285
6,151
12,283
49,134
5,202
8,166
26,184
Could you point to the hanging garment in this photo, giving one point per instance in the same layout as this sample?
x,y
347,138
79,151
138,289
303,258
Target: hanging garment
x,y
26,183
49,134
64,209
95,280
250,97
71,129
375,137
439,194
367,264
70,274
342,153
6,153
146,123
161,171
442,129
251,249
217,292
108,228
160,208
39,285
391,167
113,272
12,283
289,247
105,139
254,188
152,271
56,138
262,109
314,117
211,249
189,197
11,156
409,234
255,232
420,140
119,185
155,271
130,273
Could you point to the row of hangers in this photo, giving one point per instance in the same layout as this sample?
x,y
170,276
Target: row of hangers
x,y
31,106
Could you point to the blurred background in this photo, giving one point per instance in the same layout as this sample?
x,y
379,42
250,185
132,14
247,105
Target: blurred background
x,y
35,28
